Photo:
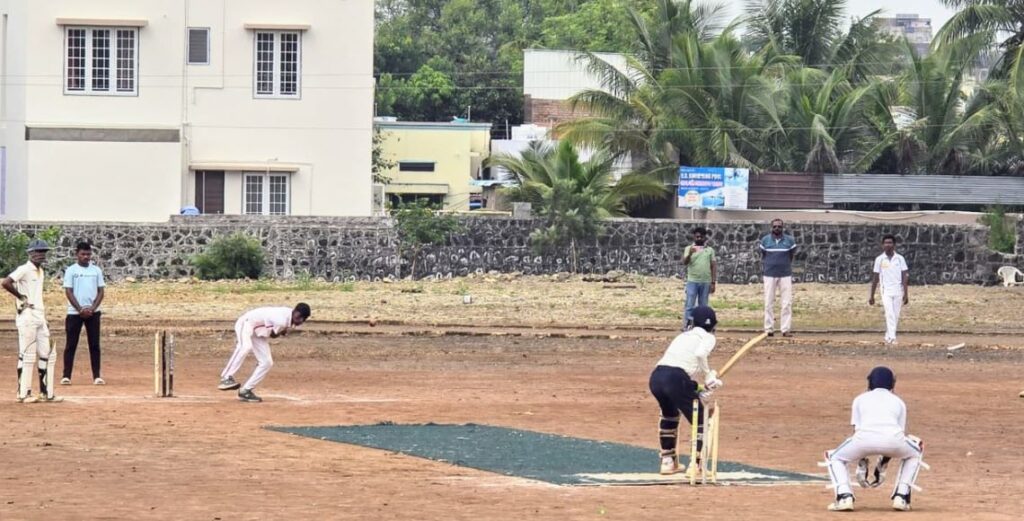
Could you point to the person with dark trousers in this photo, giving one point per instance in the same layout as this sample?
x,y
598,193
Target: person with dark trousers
x,y
83,286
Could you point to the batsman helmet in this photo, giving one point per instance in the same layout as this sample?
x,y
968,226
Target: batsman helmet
x,y
37,245
881,376
704,317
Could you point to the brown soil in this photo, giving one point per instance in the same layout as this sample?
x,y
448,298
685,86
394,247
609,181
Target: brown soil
x,y
115,453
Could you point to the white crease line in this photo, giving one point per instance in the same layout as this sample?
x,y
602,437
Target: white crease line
x,y
298,400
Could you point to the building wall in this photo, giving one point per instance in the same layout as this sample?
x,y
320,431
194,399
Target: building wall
x,y
367,248
211,108
558,75
327,132
457,151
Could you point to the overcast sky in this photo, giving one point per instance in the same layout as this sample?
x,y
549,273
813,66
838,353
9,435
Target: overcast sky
x,y
925,8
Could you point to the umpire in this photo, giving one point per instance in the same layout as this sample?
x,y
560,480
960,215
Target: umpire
x,y
674,384
83,286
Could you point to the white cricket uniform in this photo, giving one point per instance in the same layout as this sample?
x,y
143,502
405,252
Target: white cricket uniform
x,y
879,419
251,332
33,333
689,351
890,276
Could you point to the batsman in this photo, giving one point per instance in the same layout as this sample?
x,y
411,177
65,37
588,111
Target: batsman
x,y
26,284
674,384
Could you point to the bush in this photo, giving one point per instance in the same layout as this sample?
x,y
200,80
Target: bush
x,y
418,226
1002,235
12,248
237,256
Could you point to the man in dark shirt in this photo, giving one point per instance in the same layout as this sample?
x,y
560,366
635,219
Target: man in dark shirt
x,y
777,250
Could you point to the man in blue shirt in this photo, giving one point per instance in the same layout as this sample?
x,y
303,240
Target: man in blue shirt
x,y
83,286
777,250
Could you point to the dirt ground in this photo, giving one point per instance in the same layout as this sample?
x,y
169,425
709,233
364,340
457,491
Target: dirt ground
x,y
114,452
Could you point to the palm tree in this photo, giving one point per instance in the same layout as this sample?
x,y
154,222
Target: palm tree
x,y
990,19
815,31
570,196
949,125
655,38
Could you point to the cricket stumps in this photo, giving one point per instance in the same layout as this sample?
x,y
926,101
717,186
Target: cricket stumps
x,y
163,364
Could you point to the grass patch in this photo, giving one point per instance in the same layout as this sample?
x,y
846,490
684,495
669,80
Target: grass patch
x,y
269,286
655,313
736,304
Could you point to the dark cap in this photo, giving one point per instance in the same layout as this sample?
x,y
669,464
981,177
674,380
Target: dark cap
x,y
704,317
881,376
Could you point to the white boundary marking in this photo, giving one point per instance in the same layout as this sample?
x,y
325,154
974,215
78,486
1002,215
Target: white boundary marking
x,y
226,397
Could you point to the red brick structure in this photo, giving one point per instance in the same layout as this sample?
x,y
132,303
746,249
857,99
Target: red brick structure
x,y
549,112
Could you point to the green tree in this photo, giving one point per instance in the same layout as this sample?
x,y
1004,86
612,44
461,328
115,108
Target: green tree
x,y
380,164
992,20
572,197
13,245
948,127
420,225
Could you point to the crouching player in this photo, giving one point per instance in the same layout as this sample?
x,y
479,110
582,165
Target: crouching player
x,y
252,331
674,384
879,419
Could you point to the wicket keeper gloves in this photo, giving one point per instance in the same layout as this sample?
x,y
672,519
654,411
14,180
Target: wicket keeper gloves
x,y
711,381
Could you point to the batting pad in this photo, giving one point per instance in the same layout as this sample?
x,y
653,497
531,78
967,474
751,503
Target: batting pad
x,y
551,458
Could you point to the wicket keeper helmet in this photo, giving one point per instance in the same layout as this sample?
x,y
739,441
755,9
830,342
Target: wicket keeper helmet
x,y
881,376
37,245
704,317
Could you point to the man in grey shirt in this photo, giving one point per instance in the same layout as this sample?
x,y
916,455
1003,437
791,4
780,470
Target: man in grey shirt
x,y
777,250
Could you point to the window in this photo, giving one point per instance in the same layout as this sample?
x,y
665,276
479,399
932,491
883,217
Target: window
x,y
198,46
101,60
415,166
266,194
278,64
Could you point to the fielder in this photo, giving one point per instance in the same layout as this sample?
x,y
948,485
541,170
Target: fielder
x,y
891,269
252,331
879,419
26,284
674,384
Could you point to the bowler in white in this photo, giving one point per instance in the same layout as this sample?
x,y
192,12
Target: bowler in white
x,y
892,271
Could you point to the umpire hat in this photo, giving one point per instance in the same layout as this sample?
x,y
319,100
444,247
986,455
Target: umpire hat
x,y
37,245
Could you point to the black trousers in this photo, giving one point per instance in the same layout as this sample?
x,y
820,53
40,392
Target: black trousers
x,y
675,392
73,327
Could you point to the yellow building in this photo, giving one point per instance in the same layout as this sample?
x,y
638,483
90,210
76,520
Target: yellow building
x,y
435,161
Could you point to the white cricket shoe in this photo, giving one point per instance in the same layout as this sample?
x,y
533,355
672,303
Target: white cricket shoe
x,y
901,502
694,469
669,465
65,381
844,503
99,381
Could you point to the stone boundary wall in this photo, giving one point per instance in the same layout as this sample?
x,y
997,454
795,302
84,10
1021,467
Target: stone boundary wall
x,y
368,248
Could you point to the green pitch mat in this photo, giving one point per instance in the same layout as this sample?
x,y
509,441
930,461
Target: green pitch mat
x,y
551,458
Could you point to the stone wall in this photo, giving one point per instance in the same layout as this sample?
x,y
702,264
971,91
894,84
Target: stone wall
x,y
367,249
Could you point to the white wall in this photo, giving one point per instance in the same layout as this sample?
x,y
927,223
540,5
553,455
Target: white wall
x,y
327,132
558,75
79,181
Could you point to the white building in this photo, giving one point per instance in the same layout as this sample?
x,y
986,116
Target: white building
x,y
917,30
551,77
129,110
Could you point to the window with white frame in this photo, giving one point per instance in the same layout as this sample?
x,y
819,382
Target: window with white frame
x,y
266,194
277,68
101,60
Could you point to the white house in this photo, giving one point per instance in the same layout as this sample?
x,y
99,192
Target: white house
x,y
129,110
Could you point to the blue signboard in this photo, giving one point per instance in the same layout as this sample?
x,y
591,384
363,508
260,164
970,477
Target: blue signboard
x,y
713,187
